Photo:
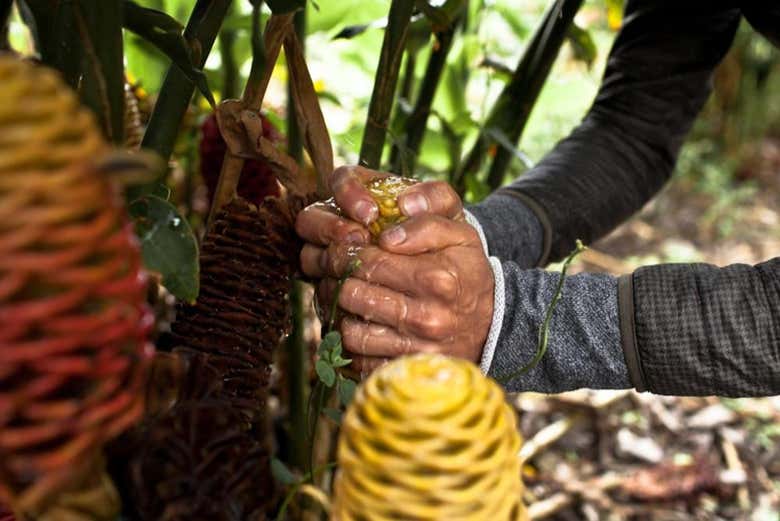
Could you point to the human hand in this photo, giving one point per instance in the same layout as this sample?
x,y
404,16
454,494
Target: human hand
x,y
426,287
347,216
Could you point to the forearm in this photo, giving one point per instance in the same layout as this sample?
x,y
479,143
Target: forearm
x,y
584,347
656,81
695,329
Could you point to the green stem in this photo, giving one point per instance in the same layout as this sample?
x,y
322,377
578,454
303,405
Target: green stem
x,y
417,123
5,18
309,476
511,110
544,330
227,43
385,82
297,367
529,79
176,91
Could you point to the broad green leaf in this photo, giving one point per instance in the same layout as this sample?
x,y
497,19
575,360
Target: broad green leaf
x,y
341,362
582,44
347,389
168,245
166,34
282,473
326,372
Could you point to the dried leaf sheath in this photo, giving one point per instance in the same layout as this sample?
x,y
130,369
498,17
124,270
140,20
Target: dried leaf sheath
x,y
73,320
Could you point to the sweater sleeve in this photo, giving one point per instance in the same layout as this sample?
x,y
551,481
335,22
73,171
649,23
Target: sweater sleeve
x,y
656,81
695,329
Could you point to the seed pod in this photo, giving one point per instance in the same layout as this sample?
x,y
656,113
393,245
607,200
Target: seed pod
x,y
73,320
385,192
209,456
429,437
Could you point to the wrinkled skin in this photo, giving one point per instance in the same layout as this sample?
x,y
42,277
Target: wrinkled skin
x,y
424,286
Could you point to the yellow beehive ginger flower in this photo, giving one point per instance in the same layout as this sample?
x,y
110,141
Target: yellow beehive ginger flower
x,y
429,437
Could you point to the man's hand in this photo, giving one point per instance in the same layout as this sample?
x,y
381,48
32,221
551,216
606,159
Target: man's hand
x,y
427,287
320,224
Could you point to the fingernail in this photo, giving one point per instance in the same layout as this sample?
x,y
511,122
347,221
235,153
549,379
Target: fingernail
x,y
355,238
366,211
414,204
395,236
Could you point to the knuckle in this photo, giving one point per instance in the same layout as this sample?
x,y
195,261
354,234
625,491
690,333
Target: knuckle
x,y
433,322
442,283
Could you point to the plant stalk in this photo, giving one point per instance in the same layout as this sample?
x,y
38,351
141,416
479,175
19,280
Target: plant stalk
x,y
385,82
227,42
5,19
511,110
531,76
176,91
417,122
297,360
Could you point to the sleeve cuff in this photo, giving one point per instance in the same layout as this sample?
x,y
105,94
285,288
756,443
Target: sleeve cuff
x,y
474,222
498,297
498,316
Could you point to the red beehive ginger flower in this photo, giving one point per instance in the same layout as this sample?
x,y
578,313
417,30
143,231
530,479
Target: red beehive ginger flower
x,y
73,321
257,179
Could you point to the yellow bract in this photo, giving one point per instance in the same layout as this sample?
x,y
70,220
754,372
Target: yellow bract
x,y
429,438
385,192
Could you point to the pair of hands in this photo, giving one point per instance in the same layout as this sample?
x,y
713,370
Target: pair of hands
x,y
424,286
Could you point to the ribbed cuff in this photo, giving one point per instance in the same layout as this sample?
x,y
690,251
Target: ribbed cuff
x,y
489,348
628,331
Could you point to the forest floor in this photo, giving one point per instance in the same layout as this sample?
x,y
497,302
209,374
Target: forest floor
x,y
613,456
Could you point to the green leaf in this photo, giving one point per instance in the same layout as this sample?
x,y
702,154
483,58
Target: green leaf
x,y
166,34
325,372
285,6
282,473
333,414
340,362
582,44
347,389
330,341
168,245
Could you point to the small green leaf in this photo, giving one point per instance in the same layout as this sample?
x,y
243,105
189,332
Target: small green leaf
x,y
168,245
330,341
340,362
326,372
285,6
582,44
333,414
347,389
166,34
282,473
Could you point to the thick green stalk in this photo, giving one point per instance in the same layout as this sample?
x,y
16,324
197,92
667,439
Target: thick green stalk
x,y
176,91
385,82
5,18
534,67
227,41
297,366
417,122
511,110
